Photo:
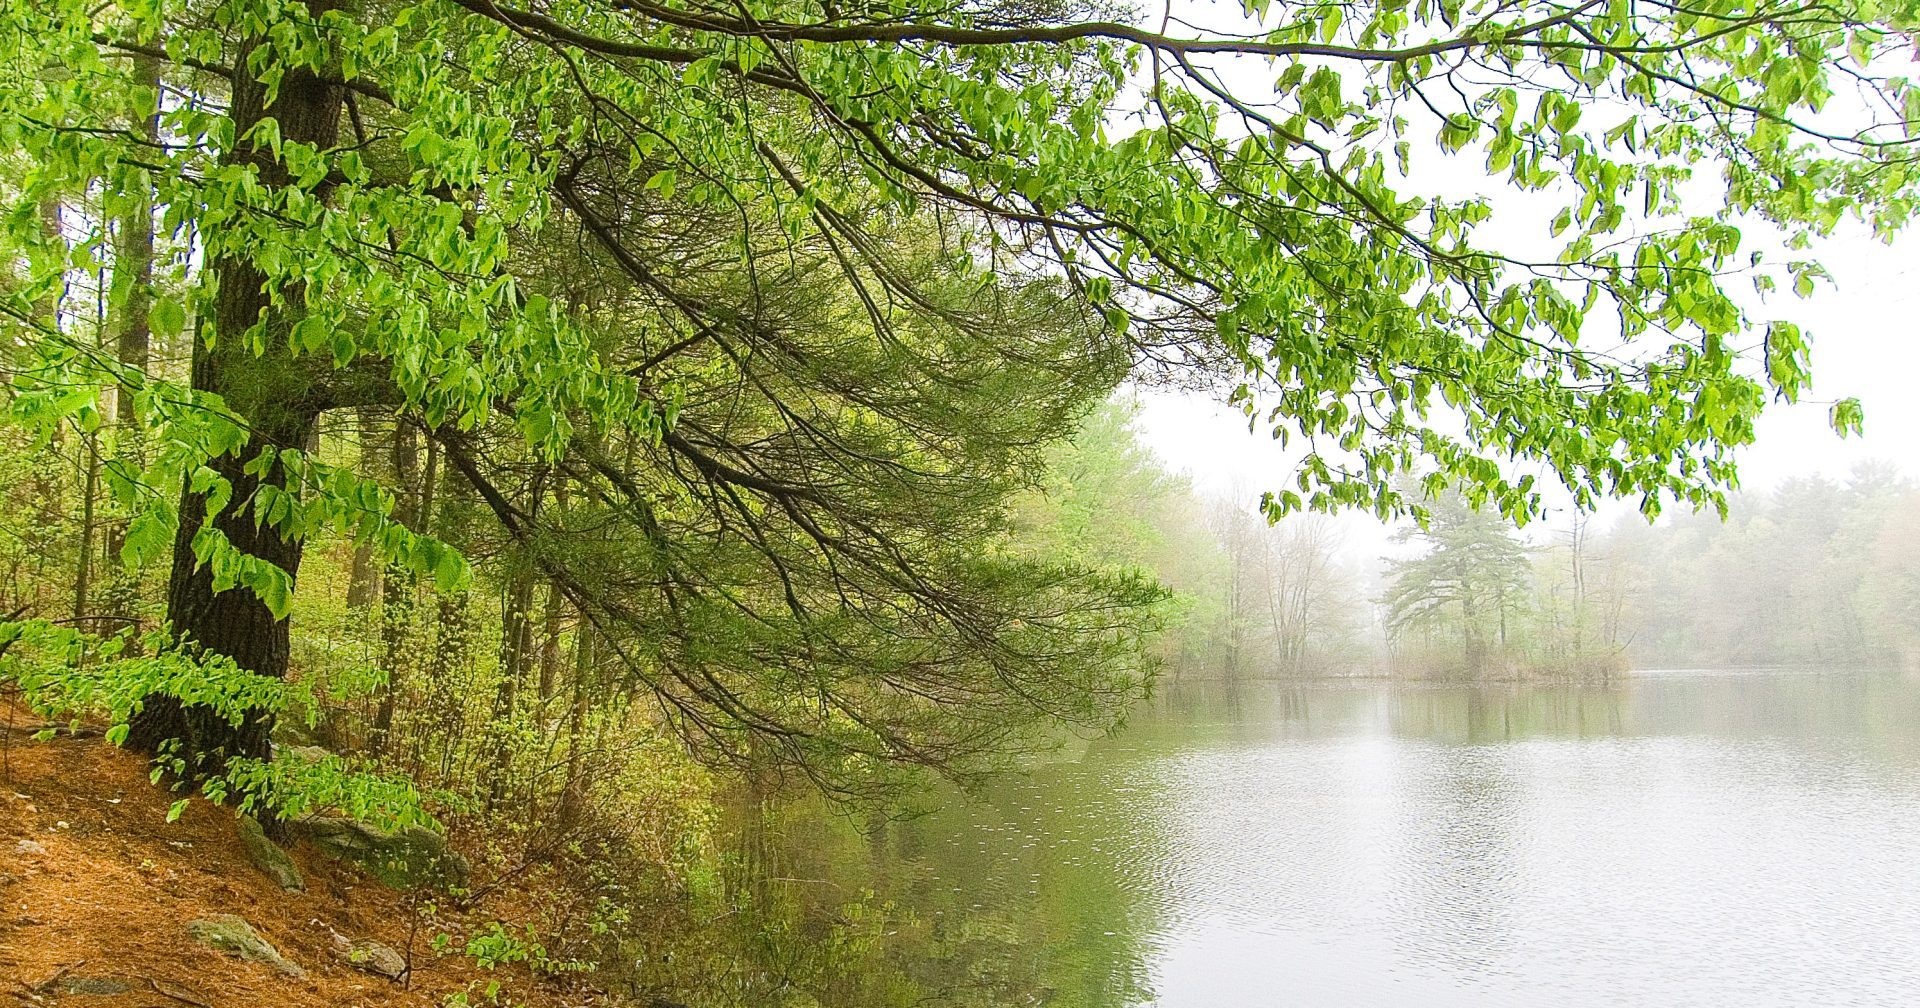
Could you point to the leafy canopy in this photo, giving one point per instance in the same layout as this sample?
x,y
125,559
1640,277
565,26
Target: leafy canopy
x,y
1284,225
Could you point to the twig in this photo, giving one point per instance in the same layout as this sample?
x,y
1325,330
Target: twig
x,y
82,731
46,985
413,929
175,993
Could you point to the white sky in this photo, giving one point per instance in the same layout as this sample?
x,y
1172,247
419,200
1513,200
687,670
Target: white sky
x,y
1864,330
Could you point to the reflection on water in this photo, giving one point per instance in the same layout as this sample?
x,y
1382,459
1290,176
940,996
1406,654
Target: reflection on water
x,y
1677,839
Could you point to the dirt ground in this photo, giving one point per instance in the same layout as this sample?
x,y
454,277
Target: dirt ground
x,y
112,894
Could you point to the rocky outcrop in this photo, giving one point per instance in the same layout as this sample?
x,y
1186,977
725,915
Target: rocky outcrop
x,y
403,860
237,938
370,956
268,857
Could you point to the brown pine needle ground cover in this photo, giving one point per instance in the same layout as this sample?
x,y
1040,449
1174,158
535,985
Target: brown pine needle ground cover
x,y
97,889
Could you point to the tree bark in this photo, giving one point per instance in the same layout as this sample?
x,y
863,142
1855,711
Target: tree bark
x,y
572,793
398,599
278,396
516,652
133,333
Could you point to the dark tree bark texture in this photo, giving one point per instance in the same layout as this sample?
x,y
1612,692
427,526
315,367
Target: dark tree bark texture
x,y
280,397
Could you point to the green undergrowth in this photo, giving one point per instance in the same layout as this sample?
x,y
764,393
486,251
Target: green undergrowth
x,y
69,677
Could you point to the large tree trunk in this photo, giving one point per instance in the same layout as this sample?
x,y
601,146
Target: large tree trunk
x,y
278,395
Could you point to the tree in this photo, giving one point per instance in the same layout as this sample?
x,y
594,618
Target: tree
x,y
1241,535
1811,572
1284,600
1106,502
377,191
1308,599
1473,578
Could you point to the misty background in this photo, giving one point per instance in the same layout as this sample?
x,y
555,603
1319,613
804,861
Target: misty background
x,y
1817,561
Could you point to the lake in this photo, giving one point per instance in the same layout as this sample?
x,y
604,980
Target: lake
x,y
1675,839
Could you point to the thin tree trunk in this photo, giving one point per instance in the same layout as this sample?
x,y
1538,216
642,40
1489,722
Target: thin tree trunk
x,y
554,611
572,793
516,648
133,333
44,486
89,452
550,642
452,646
363,577
83,554
398,598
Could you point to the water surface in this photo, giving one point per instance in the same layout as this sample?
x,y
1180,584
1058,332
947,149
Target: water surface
x,y
1676,839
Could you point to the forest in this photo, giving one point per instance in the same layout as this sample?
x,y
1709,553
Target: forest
x,y
575,437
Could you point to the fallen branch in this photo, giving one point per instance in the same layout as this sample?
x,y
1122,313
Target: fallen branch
x,y
70,731
179,993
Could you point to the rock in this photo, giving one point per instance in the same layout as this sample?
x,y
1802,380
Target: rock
x,y
305,753
268,857
370,956
237,938
409,858
99,986
30,848
290,730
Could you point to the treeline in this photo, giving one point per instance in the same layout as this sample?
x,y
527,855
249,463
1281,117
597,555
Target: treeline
x,y
1817,572
1476,600
1249,599
1254,599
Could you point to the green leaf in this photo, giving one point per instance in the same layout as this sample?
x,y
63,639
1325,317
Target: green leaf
x,y
1847,417
662,182
167,318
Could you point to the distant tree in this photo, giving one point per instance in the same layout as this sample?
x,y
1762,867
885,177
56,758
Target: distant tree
x,y
1473,578
1241,535
1813,572
1309,603
1890,596
1283,597
1578,594
1106,502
